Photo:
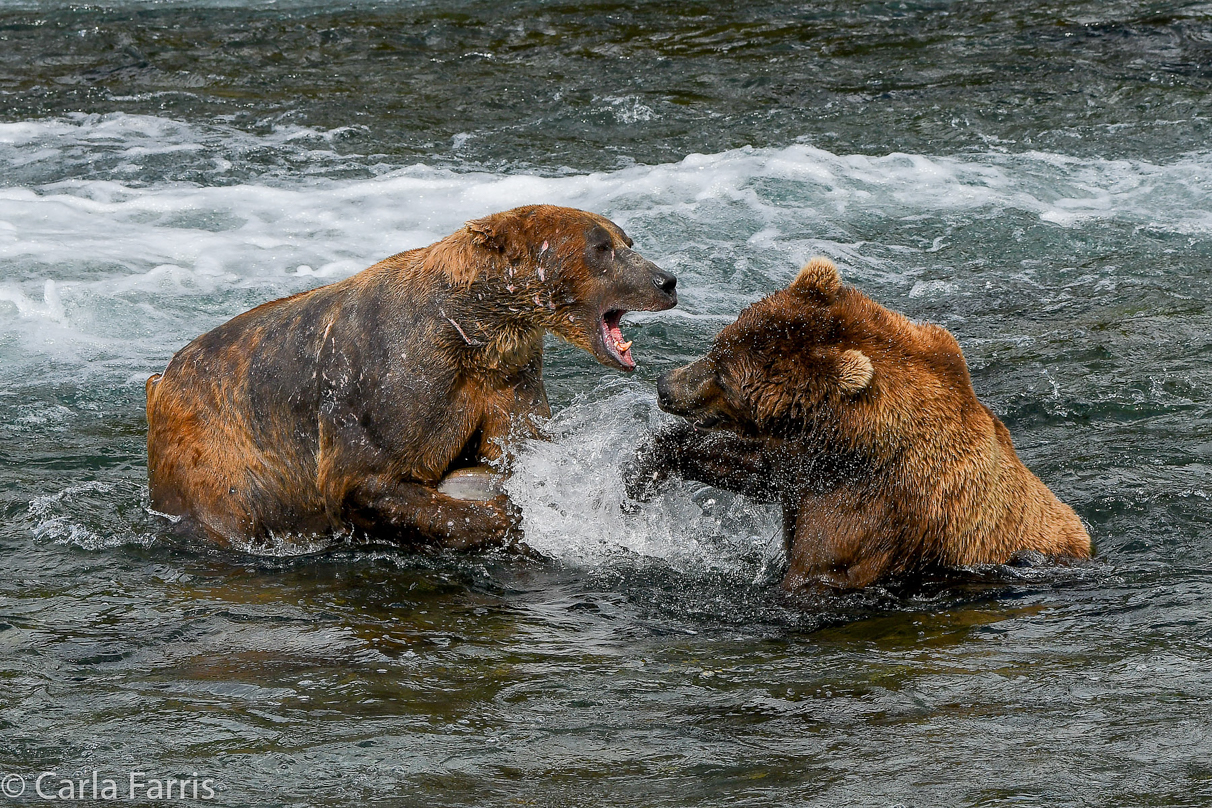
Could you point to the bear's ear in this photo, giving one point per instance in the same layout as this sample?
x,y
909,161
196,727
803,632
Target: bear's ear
x,y
819,276
854,372
488,232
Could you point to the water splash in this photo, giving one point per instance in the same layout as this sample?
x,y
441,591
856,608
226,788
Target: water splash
x,y
570,490
51,307
94,515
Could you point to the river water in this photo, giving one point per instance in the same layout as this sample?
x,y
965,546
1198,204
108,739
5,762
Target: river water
x,y
1036,177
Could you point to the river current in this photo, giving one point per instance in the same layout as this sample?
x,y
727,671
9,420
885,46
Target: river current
x,y
1034,177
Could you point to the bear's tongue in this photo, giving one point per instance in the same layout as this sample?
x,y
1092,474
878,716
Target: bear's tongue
x,y
612,335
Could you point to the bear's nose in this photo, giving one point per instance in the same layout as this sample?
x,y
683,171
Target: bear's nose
x,y
664,281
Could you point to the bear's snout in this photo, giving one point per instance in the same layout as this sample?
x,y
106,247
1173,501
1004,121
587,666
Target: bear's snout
x,y
688,391
666,282
643,276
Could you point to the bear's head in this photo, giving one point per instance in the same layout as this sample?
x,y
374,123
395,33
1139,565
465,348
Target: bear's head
x,y
812,353
577,271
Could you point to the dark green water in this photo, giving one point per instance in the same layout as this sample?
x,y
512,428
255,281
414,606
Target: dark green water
x,y
552,86
1034,177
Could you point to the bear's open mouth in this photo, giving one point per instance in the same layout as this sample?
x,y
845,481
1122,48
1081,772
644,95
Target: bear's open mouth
x,y
612,338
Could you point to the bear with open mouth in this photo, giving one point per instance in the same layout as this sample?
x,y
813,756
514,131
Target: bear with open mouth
x,y
341,409
864,426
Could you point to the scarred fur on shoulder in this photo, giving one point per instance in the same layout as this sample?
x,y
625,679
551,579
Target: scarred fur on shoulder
x,y
459,259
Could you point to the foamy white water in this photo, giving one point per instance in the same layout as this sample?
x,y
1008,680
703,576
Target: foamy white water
x,y
570,489
100,268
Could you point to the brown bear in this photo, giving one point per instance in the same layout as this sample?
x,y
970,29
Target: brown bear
x,y
340,409
864,426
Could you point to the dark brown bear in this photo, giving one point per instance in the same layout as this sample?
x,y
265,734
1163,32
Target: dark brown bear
x,y
864,426
340,409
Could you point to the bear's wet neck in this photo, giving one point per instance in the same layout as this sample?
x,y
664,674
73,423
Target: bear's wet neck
x,y
498,321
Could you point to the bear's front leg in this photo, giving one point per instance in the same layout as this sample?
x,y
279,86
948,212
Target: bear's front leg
x,y
408,513
724,459
839,541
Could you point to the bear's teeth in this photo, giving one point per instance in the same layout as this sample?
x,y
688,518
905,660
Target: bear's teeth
x,y
623,346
